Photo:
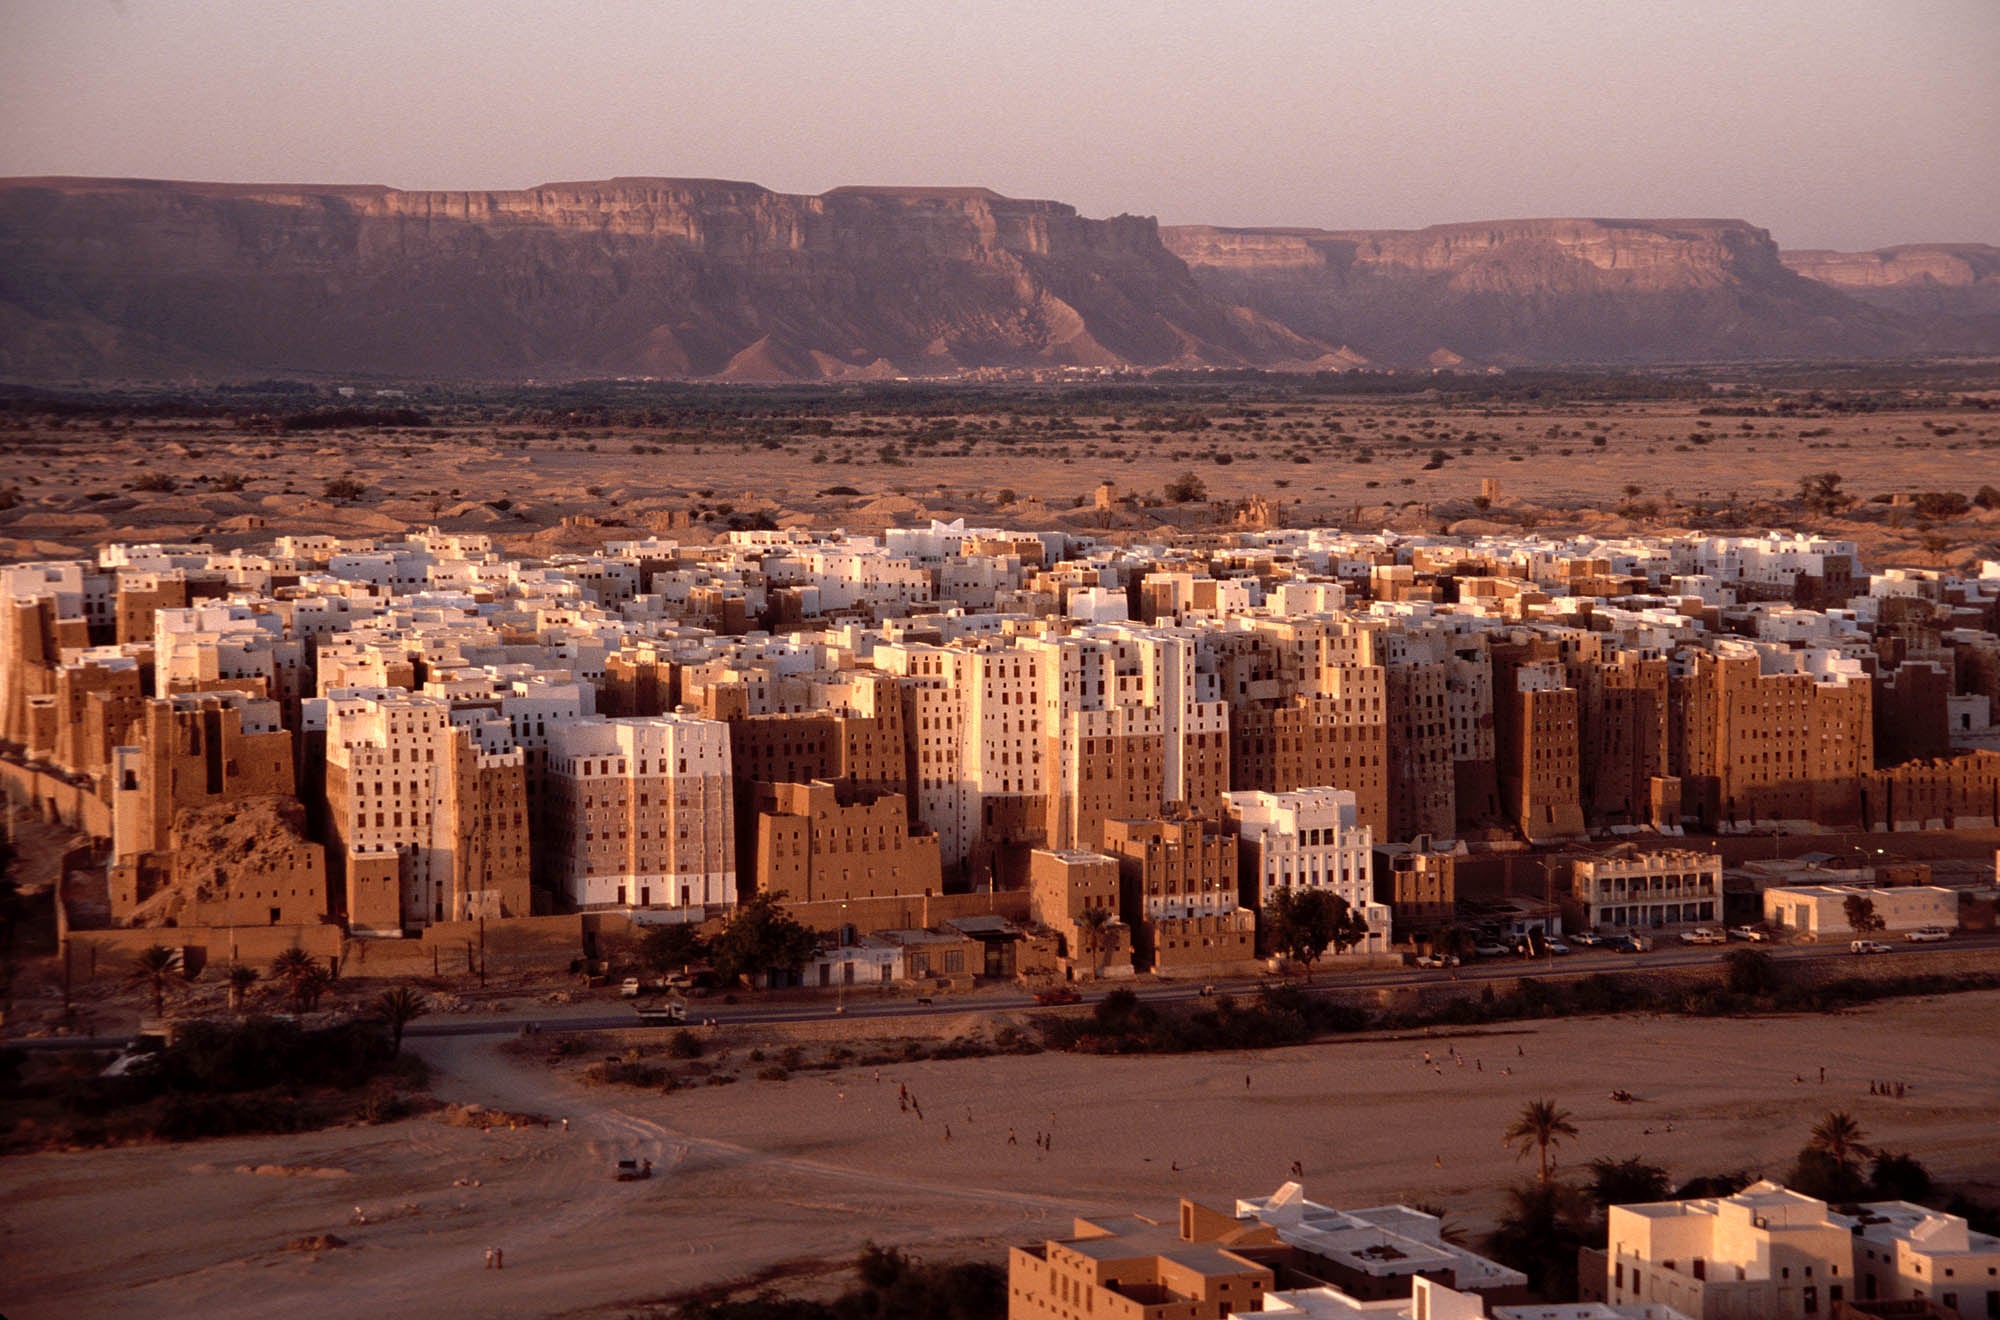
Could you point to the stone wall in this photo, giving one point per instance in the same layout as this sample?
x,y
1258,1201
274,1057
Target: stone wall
x,y
58,800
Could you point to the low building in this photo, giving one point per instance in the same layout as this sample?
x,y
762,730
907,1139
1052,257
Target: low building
x,y
1435,1301
937,956
1645,890
1132,1268
863,961
1765,1253
1075,894
1419,883
1906,1252
1375,1253
1820,911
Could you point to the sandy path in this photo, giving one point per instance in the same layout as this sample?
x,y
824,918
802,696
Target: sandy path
x,y
756,1173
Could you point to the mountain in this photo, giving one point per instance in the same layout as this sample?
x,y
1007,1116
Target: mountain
x,y
666,277
136,279
1540,291
1953,288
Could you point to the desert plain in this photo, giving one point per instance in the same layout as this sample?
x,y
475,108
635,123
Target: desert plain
x,y
554,474
787,1179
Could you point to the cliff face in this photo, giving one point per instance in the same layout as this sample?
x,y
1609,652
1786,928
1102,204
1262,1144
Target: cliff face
x,y
108,278
1539,291
642,276
1954,288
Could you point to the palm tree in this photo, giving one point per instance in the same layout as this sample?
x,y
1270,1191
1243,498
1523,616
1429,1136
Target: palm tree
x,y
155,969
1838,1135
308,988
398,1008
1091,923
241,978
292,967
1538,1126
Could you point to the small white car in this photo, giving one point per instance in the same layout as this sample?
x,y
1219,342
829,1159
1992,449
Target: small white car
x,y
1928,935
1869,946
629,987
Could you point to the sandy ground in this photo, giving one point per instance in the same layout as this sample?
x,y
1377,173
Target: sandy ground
x,y
765,1173
75,491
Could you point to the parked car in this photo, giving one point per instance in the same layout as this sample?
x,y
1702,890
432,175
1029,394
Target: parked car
x,y
1630,944
1928,934
1869,946
1437,960
1755,934
1703,935
632,1170
629,987
1491,949
1589,939
1557,947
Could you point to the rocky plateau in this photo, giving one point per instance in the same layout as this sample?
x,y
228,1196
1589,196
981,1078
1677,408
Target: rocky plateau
x,y
106,279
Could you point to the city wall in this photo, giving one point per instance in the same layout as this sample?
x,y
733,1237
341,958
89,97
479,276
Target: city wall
x,y
110,953
56,799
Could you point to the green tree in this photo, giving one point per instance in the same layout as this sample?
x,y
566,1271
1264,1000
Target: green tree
x,y
1305,923
1900,1178
1540,1232
1187,488
1630,1181
1861,915
301,975
1838,1136
1821,493
762,937
1090,924
672,948
1539,1126
155,968
1751,971
306,991
241,978
397,1009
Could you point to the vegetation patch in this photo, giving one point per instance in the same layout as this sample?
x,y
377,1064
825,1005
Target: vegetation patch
x,y
216,1079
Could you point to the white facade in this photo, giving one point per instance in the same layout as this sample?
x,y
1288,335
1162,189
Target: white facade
x,y
1648,890
1765,1253
1311,838
1820,911
1904,1251
644,812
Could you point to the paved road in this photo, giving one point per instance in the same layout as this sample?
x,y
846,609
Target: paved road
x,y
1582,963
617,1015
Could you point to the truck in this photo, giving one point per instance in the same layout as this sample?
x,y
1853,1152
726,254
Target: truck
x,y
1703,935
665,1013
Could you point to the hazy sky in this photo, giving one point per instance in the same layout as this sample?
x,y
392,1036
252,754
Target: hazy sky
x,y
1839,123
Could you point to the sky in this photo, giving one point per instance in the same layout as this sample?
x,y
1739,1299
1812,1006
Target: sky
x,y
1833,123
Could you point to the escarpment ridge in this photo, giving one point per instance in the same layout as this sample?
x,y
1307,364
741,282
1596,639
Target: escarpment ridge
x,y
716,279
